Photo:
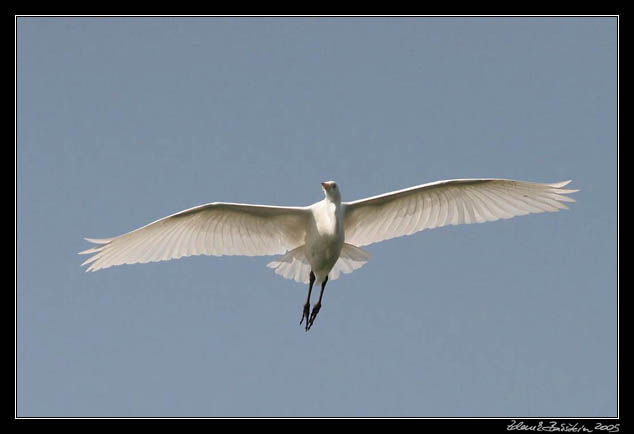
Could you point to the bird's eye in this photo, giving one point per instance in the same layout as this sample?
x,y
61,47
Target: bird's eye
x,y
334,185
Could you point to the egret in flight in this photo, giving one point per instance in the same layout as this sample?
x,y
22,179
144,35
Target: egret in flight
x,y
319,242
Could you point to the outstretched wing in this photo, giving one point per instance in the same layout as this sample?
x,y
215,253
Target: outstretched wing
x,y
451,202
212,229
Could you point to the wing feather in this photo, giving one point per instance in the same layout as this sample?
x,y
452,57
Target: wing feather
x,y
213,229
451,202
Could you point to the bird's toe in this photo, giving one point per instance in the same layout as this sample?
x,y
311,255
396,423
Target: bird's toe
x,y
313,315
305,314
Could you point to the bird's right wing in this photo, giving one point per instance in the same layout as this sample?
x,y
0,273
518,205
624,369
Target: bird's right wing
x,y
212,229
452,202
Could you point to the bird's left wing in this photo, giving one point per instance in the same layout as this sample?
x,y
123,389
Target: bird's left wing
x,y
213,229
451,202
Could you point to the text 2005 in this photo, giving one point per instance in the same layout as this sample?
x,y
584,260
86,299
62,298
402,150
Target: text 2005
x,y
607,428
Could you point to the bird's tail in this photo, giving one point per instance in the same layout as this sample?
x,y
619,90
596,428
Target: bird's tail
x,y
351,258
295,266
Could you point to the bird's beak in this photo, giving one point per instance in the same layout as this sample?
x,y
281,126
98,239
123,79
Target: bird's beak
x,y
326,186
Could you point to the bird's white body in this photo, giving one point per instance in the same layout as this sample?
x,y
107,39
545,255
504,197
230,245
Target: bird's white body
x,y
324,237
321,241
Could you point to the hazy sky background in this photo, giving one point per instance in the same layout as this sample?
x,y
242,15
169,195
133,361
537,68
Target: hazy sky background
x,y
122,121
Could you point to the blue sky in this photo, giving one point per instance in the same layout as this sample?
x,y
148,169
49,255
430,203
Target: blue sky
x,y
122,121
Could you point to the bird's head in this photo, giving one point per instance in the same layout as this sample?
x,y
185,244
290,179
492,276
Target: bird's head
x,y
331,191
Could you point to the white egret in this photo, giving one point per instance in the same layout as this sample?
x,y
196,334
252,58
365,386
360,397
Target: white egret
x,y
321,241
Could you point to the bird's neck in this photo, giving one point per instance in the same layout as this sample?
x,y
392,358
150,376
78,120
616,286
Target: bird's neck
x,y
332,207
333,200
331,220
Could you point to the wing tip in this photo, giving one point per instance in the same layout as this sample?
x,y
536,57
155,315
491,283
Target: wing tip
x,y
558,188
98,240
561,183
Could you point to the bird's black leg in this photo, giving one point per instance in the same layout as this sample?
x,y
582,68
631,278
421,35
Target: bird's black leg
x,y
317,305
307,304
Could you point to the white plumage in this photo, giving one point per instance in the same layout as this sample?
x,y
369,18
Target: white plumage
x,y
317,232
321,241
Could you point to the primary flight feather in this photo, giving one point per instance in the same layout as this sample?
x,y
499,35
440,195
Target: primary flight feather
x,y
321,241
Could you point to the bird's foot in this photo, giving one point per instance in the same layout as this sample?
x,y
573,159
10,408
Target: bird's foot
x,y
305,314
313,315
